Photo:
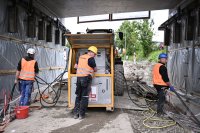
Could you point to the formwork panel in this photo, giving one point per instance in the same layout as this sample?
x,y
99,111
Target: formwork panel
x,y
101,85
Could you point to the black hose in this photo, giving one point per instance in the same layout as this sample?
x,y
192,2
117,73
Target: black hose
x,y
57,93
12,91
132,100
188,109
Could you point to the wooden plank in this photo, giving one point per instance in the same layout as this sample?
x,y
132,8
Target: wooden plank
x,y
51,68
87,45
11,72
76,39
112,74
7,72
71,35
146,89
69,78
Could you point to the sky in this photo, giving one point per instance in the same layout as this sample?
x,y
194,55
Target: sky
x,y
159,16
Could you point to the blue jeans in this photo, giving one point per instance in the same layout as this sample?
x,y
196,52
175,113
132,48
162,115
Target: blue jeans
x,y
26,90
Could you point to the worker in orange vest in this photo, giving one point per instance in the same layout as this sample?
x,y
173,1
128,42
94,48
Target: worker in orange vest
x,y
86,66
161,82
25,75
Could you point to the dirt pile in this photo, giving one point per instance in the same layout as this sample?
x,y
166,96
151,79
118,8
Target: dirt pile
x,y
140,71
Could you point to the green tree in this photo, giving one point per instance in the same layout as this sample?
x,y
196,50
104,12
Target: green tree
x,y
138,37
130,32
145,37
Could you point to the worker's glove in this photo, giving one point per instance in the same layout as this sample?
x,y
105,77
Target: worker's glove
x,y
171,88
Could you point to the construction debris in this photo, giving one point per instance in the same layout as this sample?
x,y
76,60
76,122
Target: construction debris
x,y
137,118
141,71
184,121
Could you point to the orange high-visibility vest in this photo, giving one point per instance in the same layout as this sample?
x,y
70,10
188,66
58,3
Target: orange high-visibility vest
x,y
157,78
83,68
27,70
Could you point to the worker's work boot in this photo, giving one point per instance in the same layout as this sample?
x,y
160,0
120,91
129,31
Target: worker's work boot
x,y
81,117
158,114
164,116
76,116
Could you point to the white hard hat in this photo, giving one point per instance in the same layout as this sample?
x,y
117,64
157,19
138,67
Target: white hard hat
x,y
31,51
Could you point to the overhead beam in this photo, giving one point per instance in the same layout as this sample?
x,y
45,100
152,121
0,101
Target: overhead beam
x,y
74,8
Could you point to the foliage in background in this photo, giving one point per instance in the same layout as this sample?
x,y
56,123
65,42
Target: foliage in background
x,y
153,56
67,44
138,36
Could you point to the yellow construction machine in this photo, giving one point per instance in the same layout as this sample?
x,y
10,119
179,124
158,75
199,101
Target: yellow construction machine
x,y
108,81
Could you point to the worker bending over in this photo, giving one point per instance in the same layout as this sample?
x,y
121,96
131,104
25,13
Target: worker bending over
x,y
26,70
86,67
161,82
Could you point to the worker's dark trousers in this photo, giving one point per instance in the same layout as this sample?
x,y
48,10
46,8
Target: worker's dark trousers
x,y
161,99
82,95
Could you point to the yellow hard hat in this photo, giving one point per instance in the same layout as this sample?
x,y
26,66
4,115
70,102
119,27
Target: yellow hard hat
x,y
93,49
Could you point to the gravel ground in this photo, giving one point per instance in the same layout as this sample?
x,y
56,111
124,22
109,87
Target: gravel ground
x,y
137,117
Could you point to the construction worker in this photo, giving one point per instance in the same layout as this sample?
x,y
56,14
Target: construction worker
x,y
25,75
86,67
161,82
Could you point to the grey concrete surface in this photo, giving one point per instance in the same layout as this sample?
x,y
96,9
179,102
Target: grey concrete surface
x,y
58,120
126,103
74,8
